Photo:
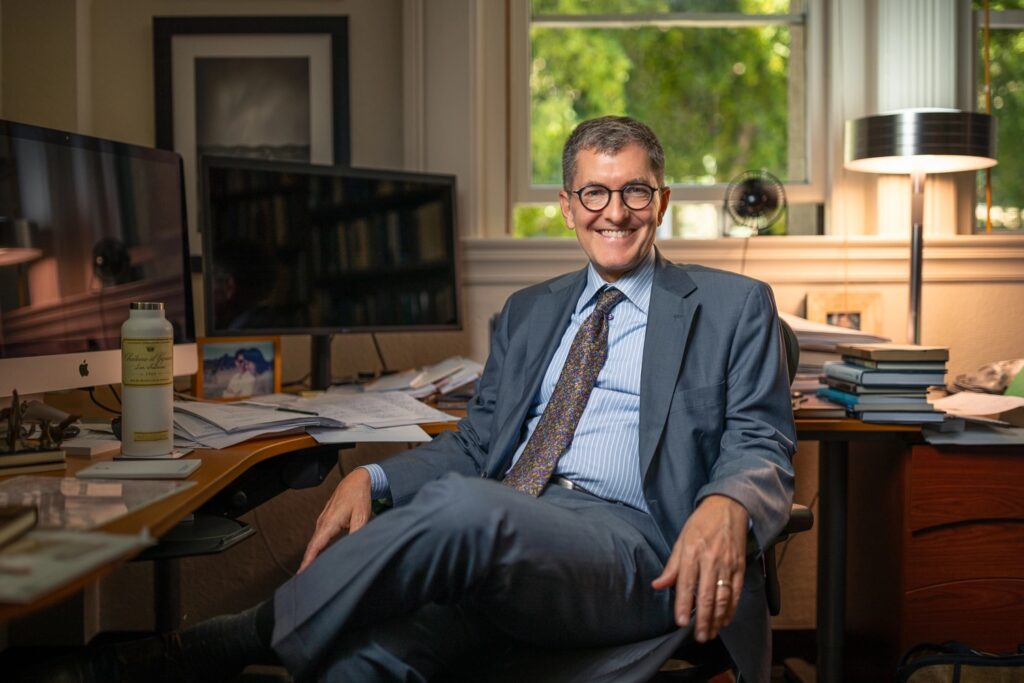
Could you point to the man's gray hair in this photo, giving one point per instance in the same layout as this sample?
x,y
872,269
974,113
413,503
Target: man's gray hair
x,y
608,135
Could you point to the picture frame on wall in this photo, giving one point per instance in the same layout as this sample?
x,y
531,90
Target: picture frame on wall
x,y
269,87
235,368
854,310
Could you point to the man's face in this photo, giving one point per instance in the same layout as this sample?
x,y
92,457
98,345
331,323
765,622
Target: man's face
x,y
616,239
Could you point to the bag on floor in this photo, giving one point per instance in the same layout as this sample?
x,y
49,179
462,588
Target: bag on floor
x,y
956,662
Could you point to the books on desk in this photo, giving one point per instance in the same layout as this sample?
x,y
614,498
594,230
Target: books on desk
x,y
886,383
27,462
15,521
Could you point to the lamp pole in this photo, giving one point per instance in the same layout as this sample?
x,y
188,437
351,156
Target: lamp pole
x,y
917,179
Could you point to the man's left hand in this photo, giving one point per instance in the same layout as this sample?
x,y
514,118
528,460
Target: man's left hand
x,y
707,564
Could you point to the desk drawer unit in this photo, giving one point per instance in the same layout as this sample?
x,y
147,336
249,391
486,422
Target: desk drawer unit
x,y
963,565
935,552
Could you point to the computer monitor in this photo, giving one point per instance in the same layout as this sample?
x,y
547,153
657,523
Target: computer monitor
x,y
294,248
87,226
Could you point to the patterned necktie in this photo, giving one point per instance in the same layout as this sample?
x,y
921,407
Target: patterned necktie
x,y
557,425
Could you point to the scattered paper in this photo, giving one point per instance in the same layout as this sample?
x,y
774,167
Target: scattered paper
x,y
89,443
824,337
360,434
1007,409
43,560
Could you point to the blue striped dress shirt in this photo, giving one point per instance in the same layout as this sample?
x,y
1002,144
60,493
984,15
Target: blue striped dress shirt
x,y
604,457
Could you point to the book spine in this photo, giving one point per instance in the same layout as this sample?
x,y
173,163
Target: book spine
x,y
844,372
840,397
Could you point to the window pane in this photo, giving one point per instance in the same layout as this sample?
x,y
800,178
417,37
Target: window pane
x,y
688,220
996,5
541,7
1007,72
718,98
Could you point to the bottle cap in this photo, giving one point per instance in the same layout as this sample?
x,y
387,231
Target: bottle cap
x,y
147,306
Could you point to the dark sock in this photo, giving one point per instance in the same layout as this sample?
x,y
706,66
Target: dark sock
x,y
219,648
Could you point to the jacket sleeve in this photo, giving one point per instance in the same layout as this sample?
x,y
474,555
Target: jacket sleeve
x,y
754,464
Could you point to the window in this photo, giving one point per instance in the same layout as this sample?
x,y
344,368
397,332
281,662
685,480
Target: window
x,y
1006,50
724,84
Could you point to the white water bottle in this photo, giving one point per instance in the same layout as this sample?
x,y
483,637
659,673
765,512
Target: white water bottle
x,y
147,380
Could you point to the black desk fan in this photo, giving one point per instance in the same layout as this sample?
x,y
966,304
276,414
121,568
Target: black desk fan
x,y
755,200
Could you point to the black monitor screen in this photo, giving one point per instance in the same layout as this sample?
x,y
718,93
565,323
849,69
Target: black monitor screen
x,y
87,226
301,249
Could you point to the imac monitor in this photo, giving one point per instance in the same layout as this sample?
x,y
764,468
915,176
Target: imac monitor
x,y
304,249
87,226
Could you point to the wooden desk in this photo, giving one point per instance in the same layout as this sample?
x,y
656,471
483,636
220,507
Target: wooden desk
x,y
834,437
222,467
219,469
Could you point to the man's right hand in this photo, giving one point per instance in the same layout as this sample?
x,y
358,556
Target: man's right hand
x,y
348,508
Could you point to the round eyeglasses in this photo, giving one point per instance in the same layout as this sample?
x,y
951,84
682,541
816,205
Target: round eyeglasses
x,y
636,196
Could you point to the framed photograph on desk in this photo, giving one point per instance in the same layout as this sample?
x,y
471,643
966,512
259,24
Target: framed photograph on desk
x,y
233,368
854,310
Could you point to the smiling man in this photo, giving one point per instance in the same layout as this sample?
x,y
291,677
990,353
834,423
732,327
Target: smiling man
x,y
632,428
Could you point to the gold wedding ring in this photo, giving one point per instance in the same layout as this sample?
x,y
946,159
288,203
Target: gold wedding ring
x,y
722,583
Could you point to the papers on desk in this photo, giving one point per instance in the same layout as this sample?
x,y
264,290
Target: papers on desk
x,y
361,434
1000,410
43,560
445,376
824,337
219,425
818,343
976,435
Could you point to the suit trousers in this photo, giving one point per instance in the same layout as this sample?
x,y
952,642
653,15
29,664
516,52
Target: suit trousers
x,y
470,564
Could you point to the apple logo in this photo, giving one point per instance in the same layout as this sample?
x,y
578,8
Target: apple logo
x,y
83,369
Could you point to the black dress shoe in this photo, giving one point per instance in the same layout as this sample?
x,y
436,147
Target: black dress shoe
x,y
154,659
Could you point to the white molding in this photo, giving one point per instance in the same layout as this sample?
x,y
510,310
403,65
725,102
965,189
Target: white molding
x,y
413,77
796,259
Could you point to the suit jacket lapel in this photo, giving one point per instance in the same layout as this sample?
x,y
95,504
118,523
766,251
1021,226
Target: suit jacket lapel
x,y
547,320
670,318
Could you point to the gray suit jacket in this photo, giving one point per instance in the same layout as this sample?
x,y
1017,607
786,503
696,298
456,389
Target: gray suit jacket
x,y
715,415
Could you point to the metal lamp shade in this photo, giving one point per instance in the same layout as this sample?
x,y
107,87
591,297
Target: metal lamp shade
x,y
921,141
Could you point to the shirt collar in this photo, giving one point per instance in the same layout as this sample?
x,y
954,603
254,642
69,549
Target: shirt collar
x,y
636,284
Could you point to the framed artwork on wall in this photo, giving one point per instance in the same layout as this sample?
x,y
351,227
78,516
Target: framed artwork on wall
x,y
233,368
270,87
855,310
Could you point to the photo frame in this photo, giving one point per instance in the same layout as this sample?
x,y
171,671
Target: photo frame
x,y
234,86
236,368
856,310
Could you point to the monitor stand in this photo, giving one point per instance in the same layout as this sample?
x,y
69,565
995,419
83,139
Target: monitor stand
x,y
320,361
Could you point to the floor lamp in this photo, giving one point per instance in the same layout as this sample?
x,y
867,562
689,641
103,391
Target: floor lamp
x,y
918,142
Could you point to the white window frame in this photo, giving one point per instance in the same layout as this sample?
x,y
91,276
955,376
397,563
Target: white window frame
x,y
1002,19
810,191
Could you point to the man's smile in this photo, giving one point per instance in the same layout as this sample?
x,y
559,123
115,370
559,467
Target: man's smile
x,y
616,233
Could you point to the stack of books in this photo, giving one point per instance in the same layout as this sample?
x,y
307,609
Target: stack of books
x,y
818,342
24,462
886,383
